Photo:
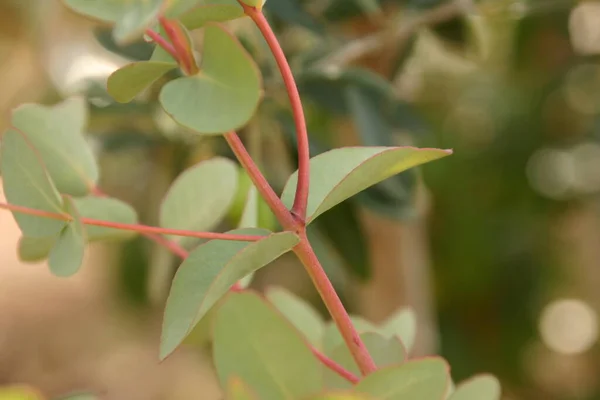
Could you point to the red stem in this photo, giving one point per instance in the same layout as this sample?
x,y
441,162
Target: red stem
x,y
302,188
133,227
333,303
179,45
335,367
274,202
160,41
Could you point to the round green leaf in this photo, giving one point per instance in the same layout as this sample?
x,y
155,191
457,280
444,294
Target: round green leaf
x,y
385,352
56,132
299,313
224,95
208,273
200,197
201,15
106,209
254,342
481,387
341,173
66,256
27,184
402,324
35,249
424,379
127,82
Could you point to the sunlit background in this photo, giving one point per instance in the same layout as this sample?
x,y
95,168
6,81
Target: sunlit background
x,y
499,254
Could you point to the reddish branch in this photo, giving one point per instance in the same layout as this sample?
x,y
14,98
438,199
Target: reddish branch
x,y
162,42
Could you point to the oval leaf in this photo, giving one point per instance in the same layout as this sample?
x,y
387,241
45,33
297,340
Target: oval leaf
x,y
57,134
224,95
129,81
482,387
201,15
106,209
385,352
35,249
253,341
424,379
208,273
299,313
341,173
200,197
27,184
66,256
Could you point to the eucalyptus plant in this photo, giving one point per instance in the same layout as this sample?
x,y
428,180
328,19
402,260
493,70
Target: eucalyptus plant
x,y
265,346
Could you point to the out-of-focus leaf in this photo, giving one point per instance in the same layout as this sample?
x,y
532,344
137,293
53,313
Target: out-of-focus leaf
x,y
480,387
425,379
301,314
208,273
35,249
385,352
402,324
341,173
56,132
224,96
27,184
106,209
238,390
332,337
126,83
66,256
340,395
201,15
292,12
200,197
254,342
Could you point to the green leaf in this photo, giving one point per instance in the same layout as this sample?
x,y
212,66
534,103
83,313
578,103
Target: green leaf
x,y
341,395
224,95
253,342
137,16
201,15
106,209
299,313
127,82
56,132
200,197
332,337
27,184
66,256
208,273
481,387
341,173
255,3
385,352
238,390
35,249
104,10
249,219
402,324
160,55
424,379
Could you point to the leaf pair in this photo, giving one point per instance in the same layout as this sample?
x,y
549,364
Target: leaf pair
x,y
222,97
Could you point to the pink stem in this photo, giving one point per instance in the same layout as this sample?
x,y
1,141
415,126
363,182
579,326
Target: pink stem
x,y
160,41
335,367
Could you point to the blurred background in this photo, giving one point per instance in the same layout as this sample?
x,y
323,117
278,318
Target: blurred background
x,y
496,248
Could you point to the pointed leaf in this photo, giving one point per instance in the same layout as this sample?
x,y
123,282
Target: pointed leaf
x,y
35,249
402,324
341,173
238,390
385,352
106,209
201,15
56,132
481,387
424,379
129,81
224,95
253,341
299,313
208,273
200,197
66,256
27,184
